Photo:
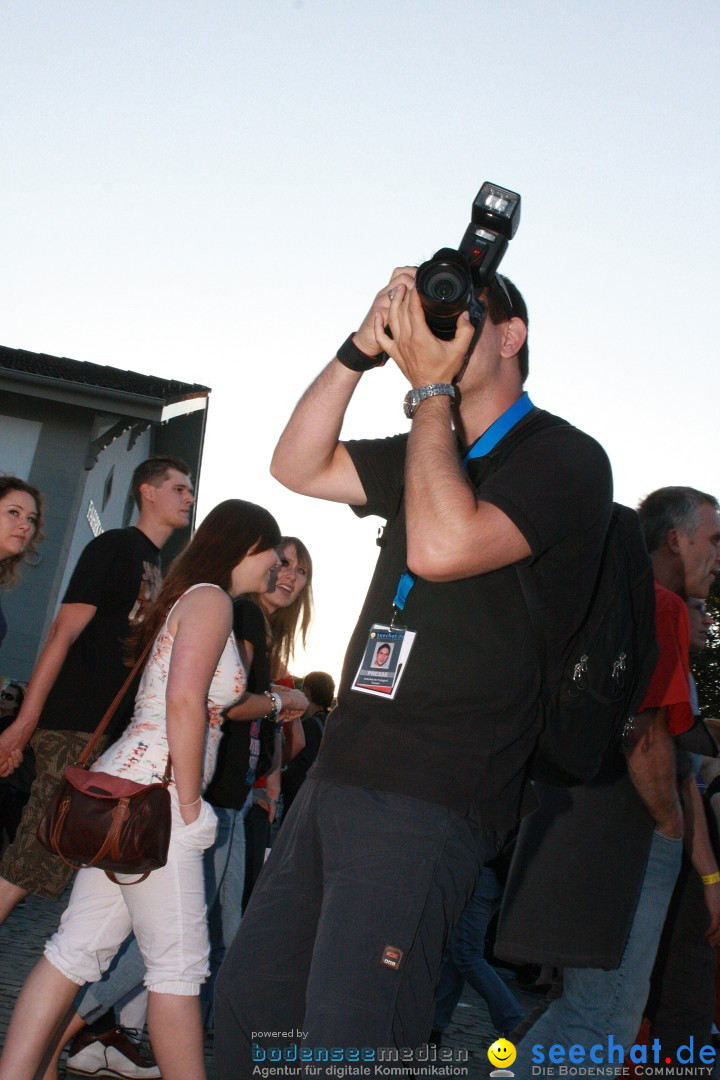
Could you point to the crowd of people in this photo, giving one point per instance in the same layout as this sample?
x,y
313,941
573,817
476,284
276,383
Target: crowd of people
x,y
395,814
215,668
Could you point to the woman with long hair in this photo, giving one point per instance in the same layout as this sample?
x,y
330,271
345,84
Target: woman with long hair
x,y
289,608
20,530
194,672
288,612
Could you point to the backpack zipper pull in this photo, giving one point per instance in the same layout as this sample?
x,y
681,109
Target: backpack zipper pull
x,y
580,673
618,670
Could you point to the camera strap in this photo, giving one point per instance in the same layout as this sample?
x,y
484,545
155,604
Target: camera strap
x,y
480,448
477,311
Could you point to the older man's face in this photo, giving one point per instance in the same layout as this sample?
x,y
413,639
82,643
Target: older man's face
x,y
700,553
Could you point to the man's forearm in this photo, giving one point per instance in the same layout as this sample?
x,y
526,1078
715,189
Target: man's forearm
x,y
63,632
651,765
438,498
43,678
450,534
305,456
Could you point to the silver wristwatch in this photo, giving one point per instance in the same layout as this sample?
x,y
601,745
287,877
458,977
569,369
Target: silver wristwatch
x,y
414,397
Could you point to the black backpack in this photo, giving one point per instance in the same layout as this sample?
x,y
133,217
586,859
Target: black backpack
x,y
589,693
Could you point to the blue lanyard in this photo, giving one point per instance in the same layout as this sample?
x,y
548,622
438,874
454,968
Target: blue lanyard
x,y
480,448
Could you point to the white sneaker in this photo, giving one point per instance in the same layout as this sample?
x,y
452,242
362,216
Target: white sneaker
x,y
113,1054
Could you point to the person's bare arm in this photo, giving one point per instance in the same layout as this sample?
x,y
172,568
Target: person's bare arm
x,y
200,626
699,848
309,458
450,534
651,765
67,626
253,706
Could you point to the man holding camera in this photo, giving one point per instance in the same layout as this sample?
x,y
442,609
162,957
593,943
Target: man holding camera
x,y
418,778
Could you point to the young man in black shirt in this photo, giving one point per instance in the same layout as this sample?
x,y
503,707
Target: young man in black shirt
x,y
81,666
423,764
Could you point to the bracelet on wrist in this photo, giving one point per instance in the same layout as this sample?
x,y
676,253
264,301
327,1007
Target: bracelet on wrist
x,y
193,803
354,358
277,705
711,879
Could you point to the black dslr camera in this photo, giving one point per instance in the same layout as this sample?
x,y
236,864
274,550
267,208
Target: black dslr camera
x,y
448,283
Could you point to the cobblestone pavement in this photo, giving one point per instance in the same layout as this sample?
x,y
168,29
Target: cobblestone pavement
x,y
23,935
22,938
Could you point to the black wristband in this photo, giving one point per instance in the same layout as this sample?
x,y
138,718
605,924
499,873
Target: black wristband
x,y
355,359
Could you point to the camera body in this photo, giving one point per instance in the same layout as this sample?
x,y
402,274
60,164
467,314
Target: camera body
x,y
448,283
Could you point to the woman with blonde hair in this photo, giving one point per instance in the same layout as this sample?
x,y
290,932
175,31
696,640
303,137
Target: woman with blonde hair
x,y
289,608
194,672
288,613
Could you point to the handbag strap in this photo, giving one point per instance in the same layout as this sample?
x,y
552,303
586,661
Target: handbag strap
x,y
86,755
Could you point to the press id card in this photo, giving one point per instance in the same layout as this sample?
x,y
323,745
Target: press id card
x,y
384,660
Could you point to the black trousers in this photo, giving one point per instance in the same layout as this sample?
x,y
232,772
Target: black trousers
x,y
343,938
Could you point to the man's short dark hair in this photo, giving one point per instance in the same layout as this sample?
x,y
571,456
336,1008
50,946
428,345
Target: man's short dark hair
x,y
498,312
154,471
320,688
672,508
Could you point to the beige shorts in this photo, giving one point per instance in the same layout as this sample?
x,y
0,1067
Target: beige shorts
x,y
26,863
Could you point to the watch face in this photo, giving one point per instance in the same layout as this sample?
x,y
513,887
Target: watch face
x,y
419,393
412,400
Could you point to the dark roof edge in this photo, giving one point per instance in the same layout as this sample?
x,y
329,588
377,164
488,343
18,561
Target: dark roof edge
x,y
65,372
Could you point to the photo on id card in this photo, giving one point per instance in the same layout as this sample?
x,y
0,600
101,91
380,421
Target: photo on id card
x,y
384,660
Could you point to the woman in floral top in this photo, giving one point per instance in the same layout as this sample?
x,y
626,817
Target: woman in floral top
x,y
194,672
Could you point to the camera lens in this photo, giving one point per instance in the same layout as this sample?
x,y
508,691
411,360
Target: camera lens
x,y
444,285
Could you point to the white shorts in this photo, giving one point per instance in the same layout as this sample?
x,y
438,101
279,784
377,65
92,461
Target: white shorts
x,y
166,912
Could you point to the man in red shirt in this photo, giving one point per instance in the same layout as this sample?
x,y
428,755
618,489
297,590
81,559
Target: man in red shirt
x,y
614,939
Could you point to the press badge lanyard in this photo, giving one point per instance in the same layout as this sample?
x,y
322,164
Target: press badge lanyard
x,y
480,448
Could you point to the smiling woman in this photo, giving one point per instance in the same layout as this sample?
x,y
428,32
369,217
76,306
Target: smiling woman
x,y
289,607
288,612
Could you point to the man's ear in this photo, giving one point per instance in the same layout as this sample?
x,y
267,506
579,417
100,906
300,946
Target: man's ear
x,y
147,493
673,540
513,338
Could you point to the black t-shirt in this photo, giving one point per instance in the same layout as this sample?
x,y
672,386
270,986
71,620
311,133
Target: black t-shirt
x,y
464,719
231,782
119,574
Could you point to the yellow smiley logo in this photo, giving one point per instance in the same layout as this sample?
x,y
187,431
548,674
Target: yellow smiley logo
x,y
502,1053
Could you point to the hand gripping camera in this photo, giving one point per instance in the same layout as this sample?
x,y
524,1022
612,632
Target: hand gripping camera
x,y
448,283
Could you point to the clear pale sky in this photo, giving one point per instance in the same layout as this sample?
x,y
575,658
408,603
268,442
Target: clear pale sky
x,y
214,191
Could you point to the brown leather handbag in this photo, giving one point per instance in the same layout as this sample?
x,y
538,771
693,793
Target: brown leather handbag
x,y
96,819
